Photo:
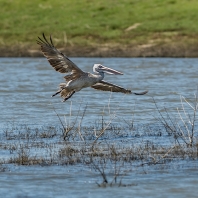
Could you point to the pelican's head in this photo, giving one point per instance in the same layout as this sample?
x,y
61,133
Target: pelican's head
x,y
98,68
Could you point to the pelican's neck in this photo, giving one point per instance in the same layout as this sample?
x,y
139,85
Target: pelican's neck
x,y
100,75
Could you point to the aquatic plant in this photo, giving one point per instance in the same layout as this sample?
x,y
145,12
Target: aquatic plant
x,y
107,148
183,125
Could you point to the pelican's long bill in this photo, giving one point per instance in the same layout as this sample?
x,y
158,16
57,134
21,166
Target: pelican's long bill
x,y
110,71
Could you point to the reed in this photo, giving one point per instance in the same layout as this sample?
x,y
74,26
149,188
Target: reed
x,y
73,143
182,126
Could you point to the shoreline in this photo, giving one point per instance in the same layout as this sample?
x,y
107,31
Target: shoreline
x,y
147,50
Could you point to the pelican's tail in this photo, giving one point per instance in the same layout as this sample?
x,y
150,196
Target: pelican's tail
x,y
64,93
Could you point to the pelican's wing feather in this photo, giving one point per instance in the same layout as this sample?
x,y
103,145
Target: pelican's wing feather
x,y
57,60
106,86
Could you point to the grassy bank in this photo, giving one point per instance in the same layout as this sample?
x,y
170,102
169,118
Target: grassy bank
x,y
120,26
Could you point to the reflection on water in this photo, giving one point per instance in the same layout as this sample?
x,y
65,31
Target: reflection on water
x,y
28,83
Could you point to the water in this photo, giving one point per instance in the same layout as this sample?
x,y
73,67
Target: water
x,y
26,88
67,182
28,83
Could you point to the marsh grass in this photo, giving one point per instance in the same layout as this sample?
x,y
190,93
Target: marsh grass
x,y
112,160
109,149
183,124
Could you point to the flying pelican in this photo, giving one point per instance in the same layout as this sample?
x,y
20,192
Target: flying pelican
x,y
78,79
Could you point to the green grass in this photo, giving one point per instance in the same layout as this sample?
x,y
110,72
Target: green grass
x,y
88,22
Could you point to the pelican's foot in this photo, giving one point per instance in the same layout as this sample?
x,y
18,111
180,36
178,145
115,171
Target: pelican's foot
x,y
68,96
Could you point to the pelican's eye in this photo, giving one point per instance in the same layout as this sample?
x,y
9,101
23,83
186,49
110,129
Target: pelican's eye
x,y
100,66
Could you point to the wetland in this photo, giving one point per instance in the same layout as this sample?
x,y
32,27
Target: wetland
x,y
99,143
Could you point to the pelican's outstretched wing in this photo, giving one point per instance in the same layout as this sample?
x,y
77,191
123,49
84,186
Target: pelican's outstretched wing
x,y
106,86
57,60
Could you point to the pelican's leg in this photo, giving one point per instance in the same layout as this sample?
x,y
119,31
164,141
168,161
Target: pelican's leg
x,y
61,87
57,93
68,96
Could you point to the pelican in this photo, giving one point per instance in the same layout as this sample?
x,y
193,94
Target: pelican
x,y
78,79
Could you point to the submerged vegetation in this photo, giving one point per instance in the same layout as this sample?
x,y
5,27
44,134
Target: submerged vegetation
x,y
106,148
82,27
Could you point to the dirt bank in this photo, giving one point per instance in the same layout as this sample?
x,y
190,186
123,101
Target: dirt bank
x,y
147,50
